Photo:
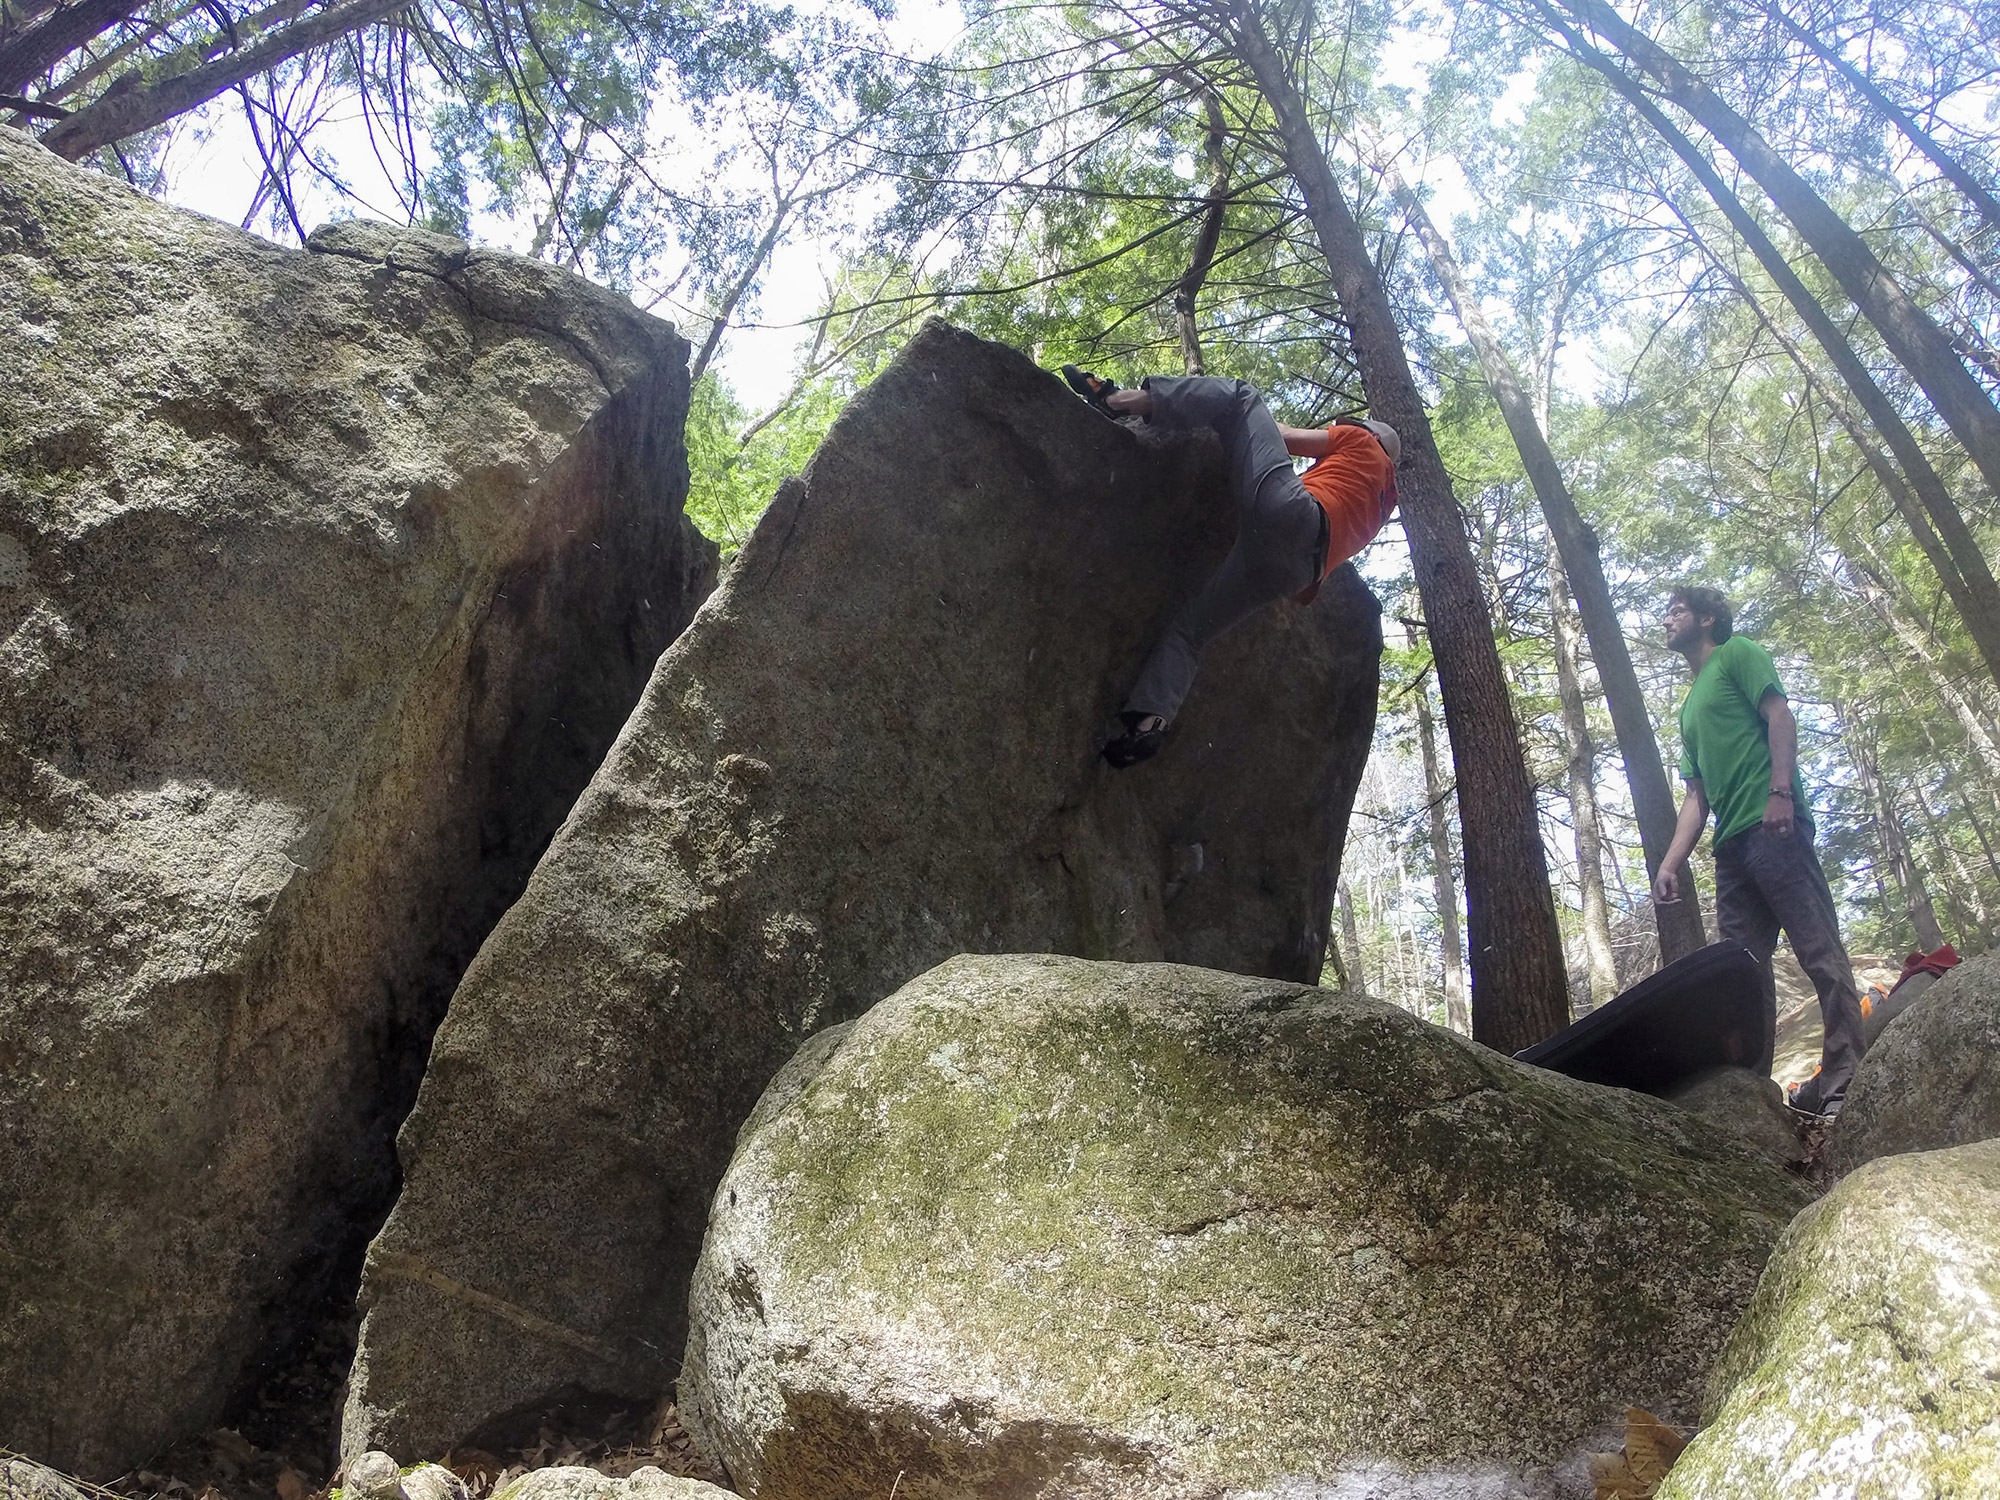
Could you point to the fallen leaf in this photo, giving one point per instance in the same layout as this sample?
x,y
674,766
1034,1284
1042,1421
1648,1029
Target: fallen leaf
x,y
1611,1478
1651,1447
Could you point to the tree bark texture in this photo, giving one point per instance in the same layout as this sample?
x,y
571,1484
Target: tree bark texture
x,y
1970,579
1356,972
1457,1014
1948,166
1188,290
32,51
1580,756
1923,348
1680,925
1519,990
130,106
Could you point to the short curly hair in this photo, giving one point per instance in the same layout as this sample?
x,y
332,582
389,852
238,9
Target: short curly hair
x,y
1707,604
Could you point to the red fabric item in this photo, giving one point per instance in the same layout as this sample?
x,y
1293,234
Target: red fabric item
x,y
1938,962
1355,484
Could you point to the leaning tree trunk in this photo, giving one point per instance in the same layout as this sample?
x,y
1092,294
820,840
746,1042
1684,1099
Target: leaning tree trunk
x,y
1456,1015
1923,348
1580,756
1970,579
1519,991
1953,170
131,105
1679,923
1188,288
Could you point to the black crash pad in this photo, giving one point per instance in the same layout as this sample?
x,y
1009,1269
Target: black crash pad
x,y
1697,1013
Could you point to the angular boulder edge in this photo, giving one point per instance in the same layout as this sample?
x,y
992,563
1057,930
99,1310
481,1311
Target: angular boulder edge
x,y
326,578
875,747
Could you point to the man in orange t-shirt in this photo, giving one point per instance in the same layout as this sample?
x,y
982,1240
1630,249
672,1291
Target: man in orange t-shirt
x,y
1291,530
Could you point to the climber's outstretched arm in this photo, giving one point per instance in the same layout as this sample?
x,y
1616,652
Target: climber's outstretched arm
x,y
1304,442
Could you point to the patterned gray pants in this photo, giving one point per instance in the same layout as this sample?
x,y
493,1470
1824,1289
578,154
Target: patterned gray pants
x,y
1279,542
1763,884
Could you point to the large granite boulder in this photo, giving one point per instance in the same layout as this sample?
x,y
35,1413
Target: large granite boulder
x,y
1868,1362
1035,1226
326,579
876,747
1932,1079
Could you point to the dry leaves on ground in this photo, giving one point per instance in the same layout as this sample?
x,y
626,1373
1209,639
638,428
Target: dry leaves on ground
x,y
624,1448
1651,1447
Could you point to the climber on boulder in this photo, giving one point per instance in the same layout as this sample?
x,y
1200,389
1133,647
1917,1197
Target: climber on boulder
x,y
1291,531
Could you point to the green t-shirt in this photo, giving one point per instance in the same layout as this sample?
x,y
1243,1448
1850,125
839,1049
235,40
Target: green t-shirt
x,y
1725,743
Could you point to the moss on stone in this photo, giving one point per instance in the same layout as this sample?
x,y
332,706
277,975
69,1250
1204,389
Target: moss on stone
x,y
1267,1225
1868,1362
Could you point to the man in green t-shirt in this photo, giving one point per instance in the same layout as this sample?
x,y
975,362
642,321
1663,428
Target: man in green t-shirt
x,y
1739,755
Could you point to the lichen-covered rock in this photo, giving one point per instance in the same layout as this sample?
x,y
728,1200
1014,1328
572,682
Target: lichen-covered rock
x,y
1868,1363
326,578
1039,1227
876,747
1748,1104
570,1483
22,1480
1932,1079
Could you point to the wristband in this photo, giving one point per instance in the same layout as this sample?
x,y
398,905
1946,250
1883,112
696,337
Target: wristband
x,y
1782,791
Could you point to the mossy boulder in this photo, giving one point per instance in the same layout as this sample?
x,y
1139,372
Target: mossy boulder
x,y
1932,1079
327,577
1868,1363
1040,1226
22,1480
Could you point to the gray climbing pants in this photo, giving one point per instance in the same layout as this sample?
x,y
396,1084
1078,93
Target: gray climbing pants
x,y
1280,537
1764,883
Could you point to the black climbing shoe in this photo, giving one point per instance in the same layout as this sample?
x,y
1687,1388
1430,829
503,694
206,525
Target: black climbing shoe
x,y
1093,388
1805,1098
1135,744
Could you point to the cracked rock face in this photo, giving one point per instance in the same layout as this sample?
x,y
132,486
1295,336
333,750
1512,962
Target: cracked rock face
x,y
1038,1227
876,747
1869,1361
326,579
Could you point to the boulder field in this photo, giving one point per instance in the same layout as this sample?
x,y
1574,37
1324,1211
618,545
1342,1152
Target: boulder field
x,y
326,579
875,747
1040,1227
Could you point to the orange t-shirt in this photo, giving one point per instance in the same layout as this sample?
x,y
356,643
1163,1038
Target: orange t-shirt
x,y
1355,484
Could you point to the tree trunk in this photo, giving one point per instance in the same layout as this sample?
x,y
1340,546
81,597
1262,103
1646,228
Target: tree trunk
x,y
1577,547
1923,348
739,288
1350,938
1519,993
1953,171
129,106
1457,1016
1902,865
1581,756
1188,288
31,52
1970,579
